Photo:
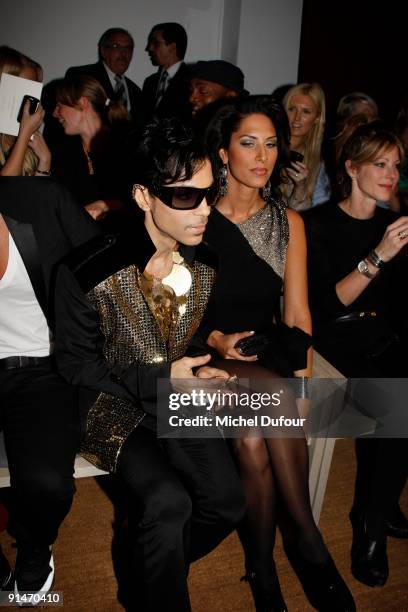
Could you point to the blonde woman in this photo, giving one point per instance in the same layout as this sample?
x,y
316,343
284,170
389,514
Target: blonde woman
x,y
308,183
356,275
26,153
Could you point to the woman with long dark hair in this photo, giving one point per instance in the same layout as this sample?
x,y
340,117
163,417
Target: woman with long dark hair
x,y
262,249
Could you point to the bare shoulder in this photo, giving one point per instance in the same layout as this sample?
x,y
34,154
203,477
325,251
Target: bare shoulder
x,y
295,221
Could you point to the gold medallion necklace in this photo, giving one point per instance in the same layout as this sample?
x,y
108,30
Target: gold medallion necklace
x,y
167,297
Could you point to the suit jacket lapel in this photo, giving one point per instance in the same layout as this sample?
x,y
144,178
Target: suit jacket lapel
x,y
173,87
153,87
23,236
105,80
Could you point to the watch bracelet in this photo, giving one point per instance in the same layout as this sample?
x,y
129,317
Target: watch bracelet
x,y
375,259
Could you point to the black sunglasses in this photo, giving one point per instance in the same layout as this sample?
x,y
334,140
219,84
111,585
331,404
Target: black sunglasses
x,y
184,198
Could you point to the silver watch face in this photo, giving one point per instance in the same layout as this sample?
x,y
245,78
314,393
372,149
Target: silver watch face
x,y
362,267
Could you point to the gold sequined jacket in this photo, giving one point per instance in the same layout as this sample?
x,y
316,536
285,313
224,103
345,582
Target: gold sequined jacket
x,y
108,339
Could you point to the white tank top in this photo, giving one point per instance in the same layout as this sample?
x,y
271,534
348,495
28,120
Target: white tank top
x,y
23,326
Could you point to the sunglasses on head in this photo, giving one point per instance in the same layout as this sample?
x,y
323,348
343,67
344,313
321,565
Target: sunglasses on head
x,y
184,198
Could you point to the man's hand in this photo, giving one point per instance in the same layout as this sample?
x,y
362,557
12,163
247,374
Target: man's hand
x,y
206,378
183,368
208,372
97,209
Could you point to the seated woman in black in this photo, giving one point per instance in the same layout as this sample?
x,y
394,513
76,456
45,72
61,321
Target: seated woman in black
x,y
355,265
262,247
91,163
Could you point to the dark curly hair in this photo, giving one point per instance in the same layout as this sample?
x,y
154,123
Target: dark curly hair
x,y
227,120
168,152
363,144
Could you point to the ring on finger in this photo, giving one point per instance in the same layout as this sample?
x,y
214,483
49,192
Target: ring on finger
x,y
402,234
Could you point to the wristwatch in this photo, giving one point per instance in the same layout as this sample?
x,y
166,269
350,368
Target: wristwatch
x,y
362,267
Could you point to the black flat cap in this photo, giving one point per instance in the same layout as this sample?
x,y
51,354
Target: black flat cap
x,y
221,72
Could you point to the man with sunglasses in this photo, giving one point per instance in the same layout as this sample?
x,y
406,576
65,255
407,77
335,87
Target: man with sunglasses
x,y
127,310
115,50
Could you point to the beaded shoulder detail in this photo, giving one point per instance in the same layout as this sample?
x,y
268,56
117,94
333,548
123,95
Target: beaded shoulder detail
x,y
267,231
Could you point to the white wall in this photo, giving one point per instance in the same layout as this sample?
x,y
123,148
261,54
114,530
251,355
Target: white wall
x,y
230,30
262,36
63,33
269,40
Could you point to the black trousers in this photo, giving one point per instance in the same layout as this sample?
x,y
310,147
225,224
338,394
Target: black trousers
x,y
186,498
39,417
382,461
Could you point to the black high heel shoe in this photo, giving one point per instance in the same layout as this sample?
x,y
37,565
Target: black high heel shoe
x,y
369,563
323,585
266,599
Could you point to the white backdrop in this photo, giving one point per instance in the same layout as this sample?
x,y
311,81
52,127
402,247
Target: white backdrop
x,y
269,41
262,36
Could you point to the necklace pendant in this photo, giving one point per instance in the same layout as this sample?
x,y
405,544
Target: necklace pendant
x,y
179,279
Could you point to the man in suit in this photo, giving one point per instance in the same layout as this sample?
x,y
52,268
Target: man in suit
x,y
39,224
115,50
166,93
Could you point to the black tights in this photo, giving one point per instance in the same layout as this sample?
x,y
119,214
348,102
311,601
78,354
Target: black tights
x,y
275,473
275,476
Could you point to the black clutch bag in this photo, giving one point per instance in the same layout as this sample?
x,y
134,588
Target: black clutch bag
x,y
252,345
289,343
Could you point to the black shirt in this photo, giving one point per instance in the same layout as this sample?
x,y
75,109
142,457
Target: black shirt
x,y
336,243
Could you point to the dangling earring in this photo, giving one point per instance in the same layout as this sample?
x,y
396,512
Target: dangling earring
x,y
266,191
223,181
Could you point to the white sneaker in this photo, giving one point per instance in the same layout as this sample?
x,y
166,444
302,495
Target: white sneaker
x,y
34,576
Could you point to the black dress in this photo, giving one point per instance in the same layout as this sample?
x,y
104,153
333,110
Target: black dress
x,y
274,470
247,291
104,175
336,243
71,167
364,348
